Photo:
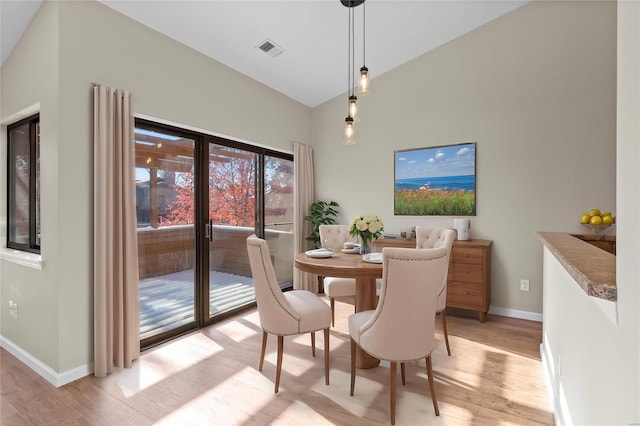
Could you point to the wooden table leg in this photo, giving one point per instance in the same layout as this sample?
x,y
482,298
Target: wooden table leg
x,y
365,300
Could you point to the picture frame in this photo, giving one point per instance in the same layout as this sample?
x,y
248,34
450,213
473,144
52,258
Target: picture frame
x,y
437,181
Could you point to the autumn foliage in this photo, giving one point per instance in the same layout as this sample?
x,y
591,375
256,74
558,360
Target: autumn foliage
x,y
232,194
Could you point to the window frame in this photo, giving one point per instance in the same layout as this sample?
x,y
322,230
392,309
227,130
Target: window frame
x,y
33,246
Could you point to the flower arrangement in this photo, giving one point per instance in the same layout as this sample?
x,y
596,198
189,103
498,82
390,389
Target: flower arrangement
x,y
367,228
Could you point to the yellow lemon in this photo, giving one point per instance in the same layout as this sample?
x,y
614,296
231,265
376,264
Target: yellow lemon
x,y
605,214
585,218
595,212
607,220
596,220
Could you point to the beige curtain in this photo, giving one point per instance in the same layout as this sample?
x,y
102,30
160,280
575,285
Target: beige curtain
x,y
116,313
303,197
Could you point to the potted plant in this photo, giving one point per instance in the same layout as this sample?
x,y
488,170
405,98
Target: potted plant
x,y
321,213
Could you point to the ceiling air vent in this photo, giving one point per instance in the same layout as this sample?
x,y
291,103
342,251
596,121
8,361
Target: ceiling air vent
x,y
270,48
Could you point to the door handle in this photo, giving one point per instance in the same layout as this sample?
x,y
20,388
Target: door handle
x,y
208,230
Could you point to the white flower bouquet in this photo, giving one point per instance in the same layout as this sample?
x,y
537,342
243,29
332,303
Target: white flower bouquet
x,y
367,228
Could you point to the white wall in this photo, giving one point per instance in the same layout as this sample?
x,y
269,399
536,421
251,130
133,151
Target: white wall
x,y
628,201
535,89
68,46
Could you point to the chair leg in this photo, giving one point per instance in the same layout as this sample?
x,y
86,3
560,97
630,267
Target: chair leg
x,y
393,371
264,349
444,331
353,366
402,373
313,343
326,356
332,302
432,386
279,362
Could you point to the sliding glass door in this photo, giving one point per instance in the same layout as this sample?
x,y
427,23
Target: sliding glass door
x,y
198,198
278,215
165,183
232,214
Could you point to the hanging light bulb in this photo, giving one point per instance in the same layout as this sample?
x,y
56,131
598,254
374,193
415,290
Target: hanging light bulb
x,y
349,131
363,83
353,107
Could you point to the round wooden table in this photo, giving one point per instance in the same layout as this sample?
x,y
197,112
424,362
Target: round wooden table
x,y
346,265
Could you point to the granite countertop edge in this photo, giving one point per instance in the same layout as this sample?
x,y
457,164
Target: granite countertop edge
x,y
593,269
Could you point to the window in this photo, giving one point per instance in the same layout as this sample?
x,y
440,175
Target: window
x,y
23,181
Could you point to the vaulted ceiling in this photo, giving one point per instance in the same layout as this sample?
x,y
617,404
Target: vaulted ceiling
x,y
312,67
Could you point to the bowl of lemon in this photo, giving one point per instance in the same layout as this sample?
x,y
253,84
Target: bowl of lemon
x,y
597,220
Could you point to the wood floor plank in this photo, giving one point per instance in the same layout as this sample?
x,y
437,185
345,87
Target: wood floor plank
x,y
494,376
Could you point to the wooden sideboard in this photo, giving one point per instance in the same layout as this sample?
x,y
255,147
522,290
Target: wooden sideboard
x,y
469,278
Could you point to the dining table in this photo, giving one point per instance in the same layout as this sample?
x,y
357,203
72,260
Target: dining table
x,y
348,265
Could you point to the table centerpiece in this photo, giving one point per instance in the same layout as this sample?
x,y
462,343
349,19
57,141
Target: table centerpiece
x,y
367,229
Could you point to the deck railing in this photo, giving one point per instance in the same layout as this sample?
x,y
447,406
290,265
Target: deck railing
x,y
170,249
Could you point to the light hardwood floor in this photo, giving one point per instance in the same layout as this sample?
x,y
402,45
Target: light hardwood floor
x,y
494,377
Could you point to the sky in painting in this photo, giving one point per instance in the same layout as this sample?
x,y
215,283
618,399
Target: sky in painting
x,y
452,160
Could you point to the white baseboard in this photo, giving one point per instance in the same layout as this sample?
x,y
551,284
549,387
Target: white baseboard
x,y
514,313
49,374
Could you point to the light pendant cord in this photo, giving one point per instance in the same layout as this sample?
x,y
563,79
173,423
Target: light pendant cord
x,y
349,53
353,51
364,33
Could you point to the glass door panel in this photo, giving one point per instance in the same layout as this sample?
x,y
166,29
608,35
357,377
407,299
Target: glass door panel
x,y
166,239
232,204
278,216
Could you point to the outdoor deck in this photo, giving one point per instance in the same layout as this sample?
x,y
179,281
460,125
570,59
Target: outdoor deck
x,y
167,301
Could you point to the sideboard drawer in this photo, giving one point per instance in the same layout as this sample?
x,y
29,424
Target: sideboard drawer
x,y
467,272
467,255
465,295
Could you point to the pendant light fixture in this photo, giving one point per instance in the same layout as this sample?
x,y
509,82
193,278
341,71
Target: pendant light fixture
x,y
352,117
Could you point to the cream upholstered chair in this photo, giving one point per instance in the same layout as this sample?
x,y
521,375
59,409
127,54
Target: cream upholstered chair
x,y
288,313
334,237
433,238
402,326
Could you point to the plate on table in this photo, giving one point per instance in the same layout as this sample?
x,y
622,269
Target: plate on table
x,y
351,250
372,257
319,253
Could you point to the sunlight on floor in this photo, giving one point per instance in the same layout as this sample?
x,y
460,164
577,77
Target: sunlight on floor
x,y
158,365
299,410
218,405
237,332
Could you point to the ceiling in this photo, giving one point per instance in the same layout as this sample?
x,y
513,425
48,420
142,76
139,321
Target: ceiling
x,y
313,34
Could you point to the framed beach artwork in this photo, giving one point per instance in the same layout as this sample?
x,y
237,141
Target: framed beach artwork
x,y
438,180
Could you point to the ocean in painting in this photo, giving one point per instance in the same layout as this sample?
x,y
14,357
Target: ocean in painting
x,y
447,183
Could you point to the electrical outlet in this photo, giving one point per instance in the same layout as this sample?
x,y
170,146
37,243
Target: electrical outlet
x,y
13,309
524,285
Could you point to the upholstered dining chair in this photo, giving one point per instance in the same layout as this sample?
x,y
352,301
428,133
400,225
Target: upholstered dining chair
x,y
427,237
401,328
288,313
333,237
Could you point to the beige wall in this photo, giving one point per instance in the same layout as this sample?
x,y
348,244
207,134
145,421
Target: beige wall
x,y
68,46
27,78
536,90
